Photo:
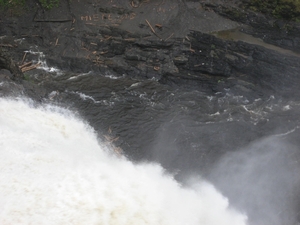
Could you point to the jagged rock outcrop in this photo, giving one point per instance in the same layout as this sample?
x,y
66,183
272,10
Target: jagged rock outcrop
x,y
272,30
8,68
173,42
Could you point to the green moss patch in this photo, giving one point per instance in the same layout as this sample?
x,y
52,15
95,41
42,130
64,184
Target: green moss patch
x,y
284,9
11,4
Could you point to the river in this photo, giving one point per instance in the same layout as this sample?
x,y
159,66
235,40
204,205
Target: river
x,y
148,153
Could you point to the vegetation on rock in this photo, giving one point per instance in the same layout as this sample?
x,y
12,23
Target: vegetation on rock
x,y
284,9
47,4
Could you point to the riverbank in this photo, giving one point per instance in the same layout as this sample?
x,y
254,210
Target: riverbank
x,y
172,42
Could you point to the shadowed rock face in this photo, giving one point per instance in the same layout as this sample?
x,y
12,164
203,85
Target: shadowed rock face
x,y
8,67
177,43
271,30
174,42
156,39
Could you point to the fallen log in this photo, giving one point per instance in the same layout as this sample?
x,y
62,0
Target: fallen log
x,y
25,65
25,69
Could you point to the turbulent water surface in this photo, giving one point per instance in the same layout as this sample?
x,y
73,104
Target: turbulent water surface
x,y
54,171
57,169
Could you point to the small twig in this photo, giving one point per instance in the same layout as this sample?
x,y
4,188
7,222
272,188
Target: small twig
x,y
129,39
118,151
150,26
132,16
6,45
158,25
110,139
153,31
133,6
25,65
56,41
169,36
107,38
192,50
115,139
24,58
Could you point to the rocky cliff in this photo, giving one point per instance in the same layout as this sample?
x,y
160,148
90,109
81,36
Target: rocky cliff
x,y
206,44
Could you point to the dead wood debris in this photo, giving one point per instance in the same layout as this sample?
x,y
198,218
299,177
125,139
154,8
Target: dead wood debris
x,y
153,31
110,140
23,58
7,45
169,37
25,65
28,66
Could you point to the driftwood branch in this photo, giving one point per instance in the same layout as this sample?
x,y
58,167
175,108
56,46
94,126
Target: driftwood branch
x,y
7,45
150,26
153,31
169,37
25,65
24,58
28,66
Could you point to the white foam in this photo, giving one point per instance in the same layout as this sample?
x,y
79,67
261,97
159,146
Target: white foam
x,y
114,77
80,75
54,171
286,108
43,63
85,97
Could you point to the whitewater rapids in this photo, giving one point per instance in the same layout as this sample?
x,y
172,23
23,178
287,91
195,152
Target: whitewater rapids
x,y
54,170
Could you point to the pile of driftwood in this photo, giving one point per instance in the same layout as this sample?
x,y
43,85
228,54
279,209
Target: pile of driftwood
x,y
109,142
27,66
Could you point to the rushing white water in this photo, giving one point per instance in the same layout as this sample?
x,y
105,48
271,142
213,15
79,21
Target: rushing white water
x,y
54,171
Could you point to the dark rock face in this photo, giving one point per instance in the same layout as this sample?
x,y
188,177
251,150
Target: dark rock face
x,y
262,67
171,42
8,68
274,31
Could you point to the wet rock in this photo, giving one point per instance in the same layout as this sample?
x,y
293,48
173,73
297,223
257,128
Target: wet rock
x,y
7,63
5,75
180,59
272,30
152,41
265,68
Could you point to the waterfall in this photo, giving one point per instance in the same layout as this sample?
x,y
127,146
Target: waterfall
x,y
55,170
